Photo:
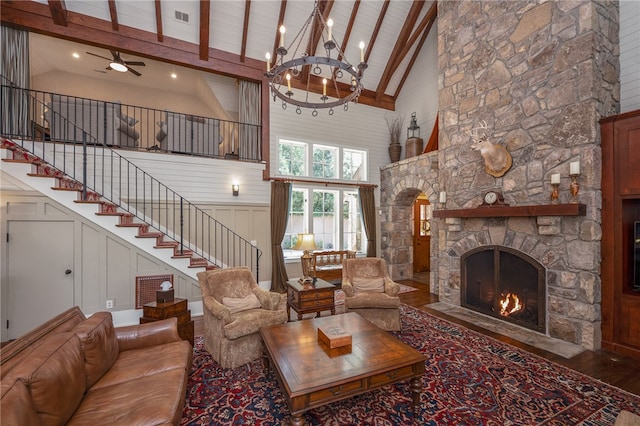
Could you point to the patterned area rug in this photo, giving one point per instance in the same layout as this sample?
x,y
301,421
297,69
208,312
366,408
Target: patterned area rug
x,y
471,379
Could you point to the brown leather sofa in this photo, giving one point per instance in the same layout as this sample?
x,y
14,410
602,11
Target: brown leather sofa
x,y
83,371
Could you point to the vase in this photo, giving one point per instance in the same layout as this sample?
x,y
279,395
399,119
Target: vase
x,y
395,151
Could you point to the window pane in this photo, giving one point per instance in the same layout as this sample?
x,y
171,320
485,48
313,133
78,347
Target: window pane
x,y
324,161
353,237
354,165
297,223
291,158
325,226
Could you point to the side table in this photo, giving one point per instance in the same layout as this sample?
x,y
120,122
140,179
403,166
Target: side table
x,y
154,311
308,297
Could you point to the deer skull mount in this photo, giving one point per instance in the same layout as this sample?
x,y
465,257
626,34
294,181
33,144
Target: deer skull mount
x,y
497,160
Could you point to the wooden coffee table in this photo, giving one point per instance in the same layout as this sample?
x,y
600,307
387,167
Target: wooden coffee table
x,y
312,375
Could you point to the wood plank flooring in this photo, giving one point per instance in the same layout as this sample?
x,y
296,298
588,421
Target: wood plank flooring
x,y
617,370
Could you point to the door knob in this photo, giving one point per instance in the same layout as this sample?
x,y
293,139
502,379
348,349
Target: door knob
x,y
67,272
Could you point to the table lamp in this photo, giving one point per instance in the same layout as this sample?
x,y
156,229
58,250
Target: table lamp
x,y
307,243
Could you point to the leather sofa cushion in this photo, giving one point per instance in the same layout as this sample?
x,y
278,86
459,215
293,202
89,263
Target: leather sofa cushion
x,y
54,374
375,285
152,400
16,406
137,363
238,304
99,344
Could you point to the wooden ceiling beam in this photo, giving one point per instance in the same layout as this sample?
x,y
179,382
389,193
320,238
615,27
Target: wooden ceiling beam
x,y
113,12
245,30
36,17
376,29
159,21
416,52
205,18
276,41
58,12
403,37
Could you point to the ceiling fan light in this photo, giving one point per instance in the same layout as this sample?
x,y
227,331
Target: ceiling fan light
x,y
117,66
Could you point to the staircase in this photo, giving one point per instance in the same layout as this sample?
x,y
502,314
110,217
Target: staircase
x,y
37,173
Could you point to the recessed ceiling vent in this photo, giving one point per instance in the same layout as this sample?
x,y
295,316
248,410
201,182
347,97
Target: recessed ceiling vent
x,y
182,16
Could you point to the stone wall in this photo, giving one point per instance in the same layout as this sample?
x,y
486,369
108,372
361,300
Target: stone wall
x,y
541,74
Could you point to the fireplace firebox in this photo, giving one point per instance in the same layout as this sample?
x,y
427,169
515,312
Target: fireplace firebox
x,y
506,284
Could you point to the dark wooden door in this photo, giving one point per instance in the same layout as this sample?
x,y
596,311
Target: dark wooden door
x,y
421,235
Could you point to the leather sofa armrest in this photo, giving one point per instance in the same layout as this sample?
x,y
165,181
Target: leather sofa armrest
x,y
391,287
146,335
217,309
347,287
268,299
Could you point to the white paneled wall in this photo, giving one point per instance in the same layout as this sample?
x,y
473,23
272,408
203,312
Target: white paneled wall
x,y
629,55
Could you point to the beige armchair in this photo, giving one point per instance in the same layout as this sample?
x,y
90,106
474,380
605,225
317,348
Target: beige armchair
x,y
235,308
370,292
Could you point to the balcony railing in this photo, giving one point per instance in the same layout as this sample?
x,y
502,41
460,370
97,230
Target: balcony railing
x,y
76,136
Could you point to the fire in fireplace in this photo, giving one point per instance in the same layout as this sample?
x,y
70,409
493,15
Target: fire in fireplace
x,y
506,284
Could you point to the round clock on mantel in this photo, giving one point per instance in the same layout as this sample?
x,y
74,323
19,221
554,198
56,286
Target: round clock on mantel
x,y
492,198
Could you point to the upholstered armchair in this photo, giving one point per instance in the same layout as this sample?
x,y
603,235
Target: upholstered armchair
x,y
235,308
370,292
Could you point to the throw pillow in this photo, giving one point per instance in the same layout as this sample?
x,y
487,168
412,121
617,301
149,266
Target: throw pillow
x,y
239,304
162,132
375,285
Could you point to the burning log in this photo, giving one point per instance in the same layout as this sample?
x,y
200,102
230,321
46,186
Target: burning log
x,y
510,304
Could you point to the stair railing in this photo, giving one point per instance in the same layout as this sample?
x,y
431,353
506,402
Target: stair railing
x,y
78,150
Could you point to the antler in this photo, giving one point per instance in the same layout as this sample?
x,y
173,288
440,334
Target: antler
x,y
474,131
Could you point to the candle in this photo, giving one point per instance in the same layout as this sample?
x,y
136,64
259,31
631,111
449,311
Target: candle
x,y
443,197
329,25
289,82
555,178
282,31
268,56
574,168
362,51
324,87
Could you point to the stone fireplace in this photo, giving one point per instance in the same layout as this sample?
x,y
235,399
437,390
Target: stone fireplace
x,y
540,74
506,284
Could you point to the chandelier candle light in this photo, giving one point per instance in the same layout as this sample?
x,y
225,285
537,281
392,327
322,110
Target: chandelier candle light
x,y
316,69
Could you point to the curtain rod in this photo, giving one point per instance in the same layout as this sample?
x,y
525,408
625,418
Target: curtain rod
x,y
364,185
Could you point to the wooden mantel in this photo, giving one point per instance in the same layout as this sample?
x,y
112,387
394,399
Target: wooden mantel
x,y
515,211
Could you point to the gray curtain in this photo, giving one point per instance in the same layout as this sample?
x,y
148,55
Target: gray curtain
x,y
249,117
15,72
368,210
280,199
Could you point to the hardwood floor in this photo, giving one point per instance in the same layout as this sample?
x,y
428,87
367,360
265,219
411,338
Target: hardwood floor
x,y
617,370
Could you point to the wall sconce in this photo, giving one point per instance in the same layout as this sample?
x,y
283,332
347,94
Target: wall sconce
x,y
574,172
235,189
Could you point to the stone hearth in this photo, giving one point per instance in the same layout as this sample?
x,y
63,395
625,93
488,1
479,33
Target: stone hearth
x,y
529,69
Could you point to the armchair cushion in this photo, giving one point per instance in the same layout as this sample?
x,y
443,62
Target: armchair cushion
x,y
375,285
372,300
239,304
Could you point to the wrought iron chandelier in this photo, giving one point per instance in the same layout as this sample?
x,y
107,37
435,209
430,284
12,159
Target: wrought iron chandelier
x,y
310,68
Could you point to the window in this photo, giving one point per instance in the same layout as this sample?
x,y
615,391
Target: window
x,y
331,214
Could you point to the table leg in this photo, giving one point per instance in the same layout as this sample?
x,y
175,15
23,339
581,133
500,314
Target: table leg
x,y
416,388
288,312
297,419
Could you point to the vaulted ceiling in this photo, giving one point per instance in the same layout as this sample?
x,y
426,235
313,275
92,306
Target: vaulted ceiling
x,y
231,37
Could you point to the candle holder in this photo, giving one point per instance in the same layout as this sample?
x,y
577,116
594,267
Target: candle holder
x,y
574,187
442,205
555,193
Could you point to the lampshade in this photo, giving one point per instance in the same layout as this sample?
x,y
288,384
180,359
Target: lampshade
x,y
306,242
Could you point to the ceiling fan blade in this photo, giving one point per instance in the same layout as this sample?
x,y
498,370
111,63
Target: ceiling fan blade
x,y
134,72
116,56
136,63
93,54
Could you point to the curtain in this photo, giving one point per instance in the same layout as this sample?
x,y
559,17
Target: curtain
x,y
15,72
249,117
280,199
368,210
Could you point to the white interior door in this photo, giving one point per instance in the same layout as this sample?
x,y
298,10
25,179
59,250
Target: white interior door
x,y
40,273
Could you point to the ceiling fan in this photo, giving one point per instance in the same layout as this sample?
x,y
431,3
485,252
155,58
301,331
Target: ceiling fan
x,y
118,64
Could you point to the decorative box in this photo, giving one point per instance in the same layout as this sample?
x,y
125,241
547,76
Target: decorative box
x,y
334,336
164,296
